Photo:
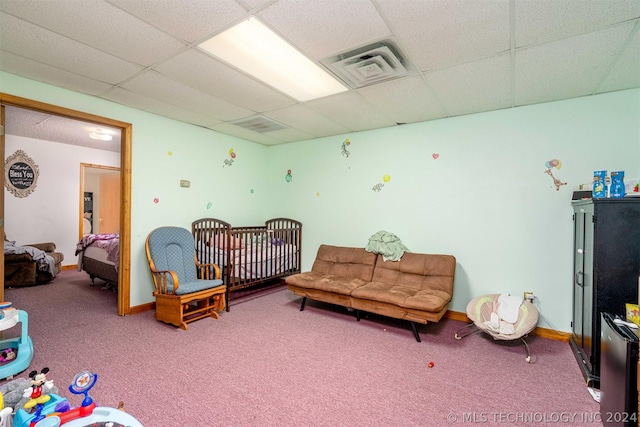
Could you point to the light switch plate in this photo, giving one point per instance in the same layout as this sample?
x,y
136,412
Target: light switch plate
x,y
185,183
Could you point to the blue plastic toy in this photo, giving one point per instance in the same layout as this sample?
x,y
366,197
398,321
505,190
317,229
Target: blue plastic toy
x,y
19,349
56,411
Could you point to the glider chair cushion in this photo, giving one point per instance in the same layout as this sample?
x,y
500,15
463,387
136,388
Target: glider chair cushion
x,y
185,290
479,311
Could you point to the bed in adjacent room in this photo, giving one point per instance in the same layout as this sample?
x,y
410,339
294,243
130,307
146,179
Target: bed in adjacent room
x,y
98,255
249,256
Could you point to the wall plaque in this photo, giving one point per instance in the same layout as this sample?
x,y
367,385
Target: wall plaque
x,y
20,174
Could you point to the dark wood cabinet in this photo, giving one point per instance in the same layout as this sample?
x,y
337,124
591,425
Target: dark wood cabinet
x,y
605,272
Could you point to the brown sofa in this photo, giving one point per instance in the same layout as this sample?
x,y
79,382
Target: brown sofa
x,y
418,288
22,270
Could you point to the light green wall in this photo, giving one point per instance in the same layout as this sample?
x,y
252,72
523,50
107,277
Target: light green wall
x,y
484,199
197,154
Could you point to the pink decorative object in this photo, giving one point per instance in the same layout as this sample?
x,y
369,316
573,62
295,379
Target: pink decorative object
x,y
220,241
156,200
435,155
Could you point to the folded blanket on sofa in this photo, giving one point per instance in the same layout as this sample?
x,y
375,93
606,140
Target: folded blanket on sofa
x,y
386,244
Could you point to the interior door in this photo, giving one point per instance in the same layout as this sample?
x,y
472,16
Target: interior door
x,y
109,214
2,200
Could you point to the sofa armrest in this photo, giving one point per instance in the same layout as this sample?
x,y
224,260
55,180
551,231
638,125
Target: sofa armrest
x,y
47,247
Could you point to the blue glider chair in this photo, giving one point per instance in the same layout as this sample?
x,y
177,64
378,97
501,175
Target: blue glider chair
x,y
185,290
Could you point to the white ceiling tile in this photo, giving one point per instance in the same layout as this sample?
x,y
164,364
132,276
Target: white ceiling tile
x,y
567,68
102,26
540,21
202,72
261,138
189,20
477,86
54,128
255,4
156,86
565,49
307,120
351,111
25,67
321,28
140,102
406,100
625,74
290,135
25,39
437,34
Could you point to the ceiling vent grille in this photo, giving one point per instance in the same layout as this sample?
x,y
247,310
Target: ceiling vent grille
x,y
369,65
260,124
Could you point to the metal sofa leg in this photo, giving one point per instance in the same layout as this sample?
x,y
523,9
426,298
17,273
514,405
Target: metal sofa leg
x,y
304,300
358,315
415,331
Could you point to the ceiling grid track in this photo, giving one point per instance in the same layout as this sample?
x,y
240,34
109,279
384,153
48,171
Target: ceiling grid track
x,y
419,72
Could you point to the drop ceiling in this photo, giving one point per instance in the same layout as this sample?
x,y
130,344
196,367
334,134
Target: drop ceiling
x,y
455,57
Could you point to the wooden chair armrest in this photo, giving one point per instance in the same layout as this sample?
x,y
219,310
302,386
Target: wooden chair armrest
x,y
204,271
160,281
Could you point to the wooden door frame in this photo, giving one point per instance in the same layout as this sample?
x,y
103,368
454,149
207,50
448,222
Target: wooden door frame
x,y
124,269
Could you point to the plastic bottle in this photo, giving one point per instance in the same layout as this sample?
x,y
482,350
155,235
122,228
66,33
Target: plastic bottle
x,y
617,184
599,182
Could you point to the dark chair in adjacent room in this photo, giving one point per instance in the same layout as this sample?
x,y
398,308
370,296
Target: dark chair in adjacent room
x,y
28,265
185,290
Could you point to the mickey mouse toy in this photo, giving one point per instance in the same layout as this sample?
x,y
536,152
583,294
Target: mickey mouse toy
x,y
39,384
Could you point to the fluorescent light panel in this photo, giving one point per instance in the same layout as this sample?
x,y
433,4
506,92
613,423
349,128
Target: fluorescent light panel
x,y
255,49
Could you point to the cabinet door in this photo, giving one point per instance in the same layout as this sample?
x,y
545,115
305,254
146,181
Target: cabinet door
x,y
588,285
583,280
578,276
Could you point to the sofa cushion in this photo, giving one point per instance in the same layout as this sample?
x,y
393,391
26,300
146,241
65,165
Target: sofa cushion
x,y
325,282
58,257
418,272
17,258
347,263
409,297
47,247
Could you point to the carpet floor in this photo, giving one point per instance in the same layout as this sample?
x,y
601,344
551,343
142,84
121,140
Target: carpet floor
x,y
266,363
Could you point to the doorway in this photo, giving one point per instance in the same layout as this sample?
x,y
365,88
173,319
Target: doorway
x,y
124,304
99,199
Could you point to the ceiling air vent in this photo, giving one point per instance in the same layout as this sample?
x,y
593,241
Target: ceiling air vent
x,y
260,124
369,65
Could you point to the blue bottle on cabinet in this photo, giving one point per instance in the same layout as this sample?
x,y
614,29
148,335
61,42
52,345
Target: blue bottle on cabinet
x,y
617,184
